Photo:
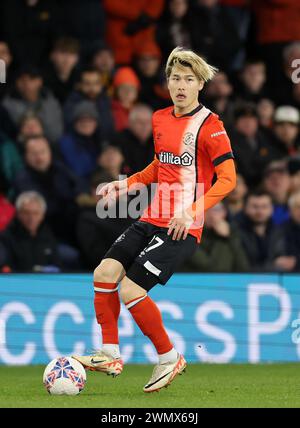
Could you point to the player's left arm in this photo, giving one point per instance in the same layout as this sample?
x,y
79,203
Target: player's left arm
x,y
219,150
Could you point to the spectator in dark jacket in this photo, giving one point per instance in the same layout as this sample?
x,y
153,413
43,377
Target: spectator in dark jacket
x,y
111,161
29,95
220,249
251,83
103,60
217,96
174,27
90,88
277,183
95,235
214,33
263,241
136,141
234,202
252,147
81,146
30,27
85,21
54,181
7,125
154,91
62,72
292,231
28,245
11,162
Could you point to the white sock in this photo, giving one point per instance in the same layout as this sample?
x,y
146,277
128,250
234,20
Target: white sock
x,y
112,349
168,357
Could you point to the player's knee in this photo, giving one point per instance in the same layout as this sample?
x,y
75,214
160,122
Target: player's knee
x,y
102,274
109,271
129,290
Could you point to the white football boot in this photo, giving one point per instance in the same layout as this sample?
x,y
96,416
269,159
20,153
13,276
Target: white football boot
x,y
164,374
100,361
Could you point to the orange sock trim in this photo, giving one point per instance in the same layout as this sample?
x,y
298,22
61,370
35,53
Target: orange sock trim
x,y
148,317
107,309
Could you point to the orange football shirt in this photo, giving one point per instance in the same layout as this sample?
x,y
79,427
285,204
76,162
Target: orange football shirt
x,y
188,148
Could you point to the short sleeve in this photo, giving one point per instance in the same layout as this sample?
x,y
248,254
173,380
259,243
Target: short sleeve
x,y
217,143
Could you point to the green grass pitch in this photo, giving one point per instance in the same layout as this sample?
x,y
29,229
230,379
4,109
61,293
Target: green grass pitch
x,y
203,385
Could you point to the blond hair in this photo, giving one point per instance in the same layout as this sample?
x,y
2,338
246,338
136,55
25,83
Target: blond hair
x,y
187,58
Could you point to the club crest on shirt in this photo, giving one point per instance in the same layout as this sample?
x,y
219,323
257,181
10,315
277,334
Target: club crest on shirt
x,y
188,138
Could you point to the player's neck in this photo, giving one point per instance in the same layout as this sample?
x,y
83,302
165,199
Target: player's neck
x,y
179,111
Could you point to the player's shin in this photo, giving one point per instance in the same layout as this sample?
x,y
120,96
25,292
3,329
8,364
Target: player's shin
x,y
148,317
107,309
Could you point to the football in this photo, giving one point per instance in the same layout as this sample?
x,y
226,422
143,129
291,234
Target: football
x,y
64,376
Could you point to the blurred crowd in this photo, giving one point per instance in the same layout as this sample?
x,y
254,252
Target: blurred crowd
x,y
82,81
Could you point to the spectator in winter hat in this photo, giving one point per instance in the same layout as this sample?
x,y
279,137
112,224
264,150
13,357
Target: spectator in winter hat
x,y
126,88
90,88
81,145
154,91
286,129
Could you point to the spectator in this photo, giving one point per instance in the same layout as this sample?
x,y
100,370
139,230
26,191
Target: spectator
x,y
154,91
110,161
10,162
262,240
214,32
126,88
62,72
59,187
30,126
136,141
95,235
292,231
265,112
7,126
286,129
129,25
252,148
30,27
174,27
81,146
217,96
251,84
220,249
90,88
277,182
28,245
84,21
29,95
235,200
103,60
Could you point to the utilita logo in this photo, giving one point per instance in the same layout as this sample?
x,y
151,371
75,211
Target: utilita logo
x,y
168,157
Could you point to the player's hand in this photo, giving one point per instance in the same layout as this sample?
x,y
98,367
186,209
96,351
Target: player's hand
x,y
179,225
111,191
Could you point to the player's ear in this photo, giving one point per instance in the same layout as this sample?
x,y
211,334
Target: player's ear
x,y
201,84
